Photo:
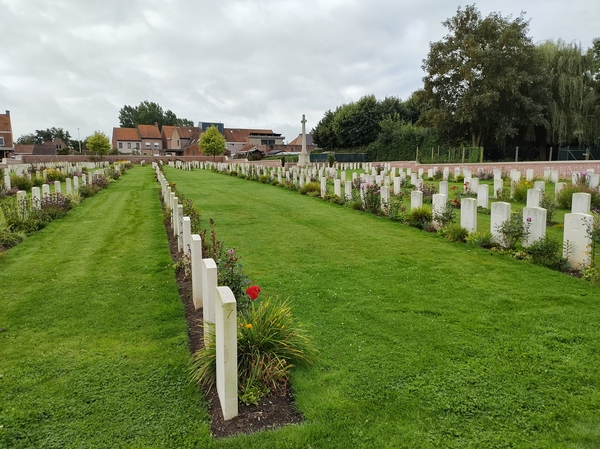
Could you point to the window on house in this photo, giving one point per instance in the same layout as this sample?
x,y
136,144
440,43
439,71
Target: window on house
x,y
137,145
1,141
120,145
156,145
129,145
267,142
178,142
147,144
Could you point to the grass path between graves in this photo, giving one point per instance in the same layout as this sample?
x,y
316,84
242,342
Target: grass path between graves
x,y
94,352
423,343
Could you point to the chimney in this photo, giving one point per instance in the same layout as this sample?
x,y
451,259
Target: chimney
x,y
8,112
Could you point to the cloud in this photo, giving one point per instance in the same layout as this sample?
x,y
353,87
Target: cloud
x,y
258,63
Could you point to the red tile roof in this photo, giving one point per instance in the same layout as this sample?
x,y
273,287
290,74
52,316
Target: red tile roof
x,y
167,131
126,134
149,131
298,140
187,132
23,149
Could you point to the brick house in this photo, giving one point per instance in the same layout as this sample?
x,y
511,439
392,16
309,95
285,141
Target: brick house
x,y
126,140
6,136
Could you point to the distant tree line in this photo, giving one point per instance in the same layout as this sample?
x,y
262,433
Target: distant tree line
x,y
149,113
486,85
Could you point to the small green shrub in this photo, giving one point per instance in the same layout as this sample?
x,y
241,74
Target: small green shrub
x,y
264,179
9,239
86,191
564,198
419,218
519,192
544,252
310,187
513,230
483,239
454,232
270,344
21,182
549,203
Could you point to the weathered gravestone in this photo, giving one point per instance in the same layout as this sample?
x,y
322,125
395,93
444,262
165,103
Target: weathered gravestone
x,y
483,196
500,214
226,351
416,199
577,241
582,203
535,219
468,214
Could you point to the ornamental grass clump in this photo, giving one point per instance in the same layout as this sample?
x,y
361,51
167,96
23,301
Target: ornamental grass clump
x,y
270,344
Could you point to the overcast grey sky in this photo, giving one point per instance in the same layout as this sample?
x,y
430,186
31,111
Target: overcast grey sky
x,y
248,63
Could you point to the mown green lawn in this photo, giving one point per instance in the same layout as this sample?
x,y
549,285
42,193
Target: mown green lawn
x,y
95,350
423,343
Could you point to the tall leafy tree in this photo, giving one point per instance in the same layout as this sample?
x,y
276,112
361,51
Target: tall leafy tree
x,y
98,143
574,104
149,113
323,134
45,135
212,142
482,79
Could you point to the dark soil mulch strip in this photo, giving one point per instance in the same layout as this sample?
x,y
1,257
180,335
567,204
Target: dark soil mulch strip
x,y
274,410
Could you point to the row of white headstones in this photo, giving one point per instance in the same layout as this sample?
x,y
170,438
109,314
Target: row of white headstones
x,y
577,240
218,304
71,187
41,170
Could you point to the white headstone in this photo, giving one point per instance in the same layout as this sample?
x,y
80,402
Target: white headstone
x,y
187,235
474,185
348,190
594,180
7,184
45,190
226,351
541,185
554,176
180,227
483,196
413,179
385,196
577,242
500,213
582,203
438,204
498,186
443,187
209,284
416,199
36,198
323,186
57,188
535,219
196,259
534,197
69,188
468,214
529,174
76,183
397,185
559,186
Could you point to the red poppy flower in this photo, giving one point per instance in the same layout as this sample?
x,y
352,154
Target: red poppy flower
x,y
253,291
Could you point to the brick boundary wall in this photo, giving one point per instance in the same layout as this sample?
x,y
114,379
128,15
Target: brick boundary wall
x,y
38,159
